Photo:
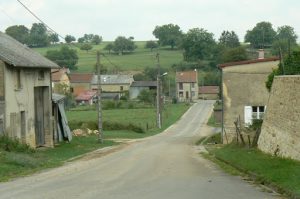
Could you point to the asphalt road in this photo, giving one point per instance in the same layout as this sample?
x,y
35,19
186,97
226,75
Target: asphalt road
x,y
160,167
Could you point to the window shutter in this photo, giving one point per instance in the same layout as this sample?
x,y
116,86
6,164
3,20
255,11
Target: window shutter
x,y
248,115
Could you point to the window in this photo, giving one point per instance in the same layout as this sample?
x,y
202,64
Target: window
x,y
181,94
18,79
41,75
121,88
193,93
180,86
253,112
193,85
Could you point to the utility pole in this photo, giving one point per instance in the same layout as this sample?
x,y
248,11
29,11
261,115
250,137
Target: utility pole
x,y
100,138
158,100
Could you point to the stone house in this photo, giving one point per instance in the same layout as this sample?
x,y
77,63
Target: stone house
x,y
280,133
60,80
118,85
25,93
138,86
244,93
187,88
80,82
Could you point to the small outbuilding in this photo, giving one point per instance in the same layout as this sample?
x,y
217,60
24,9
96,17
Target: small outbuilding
x,y
25,93
138,86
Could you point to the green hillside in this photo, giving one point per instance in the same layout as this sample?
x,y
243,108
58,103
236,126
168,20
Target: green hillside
x,y
135,61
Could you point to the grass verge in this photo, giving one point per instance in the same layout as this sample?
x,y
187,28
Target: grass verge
x,y
279,173
144,118
15,163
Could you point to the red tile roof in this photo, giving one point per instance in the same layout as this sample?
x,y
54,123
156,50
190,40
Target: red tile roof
x,y
80,77
57,73
209,89
86,95
186,76
248,62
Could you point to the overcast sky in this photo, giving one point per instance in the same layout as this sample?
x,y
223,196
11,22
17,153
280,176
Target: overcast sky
x,y
138,18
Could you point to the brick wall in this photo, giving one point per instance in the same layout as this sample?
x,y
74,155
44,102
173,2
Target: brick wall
x,y
281,127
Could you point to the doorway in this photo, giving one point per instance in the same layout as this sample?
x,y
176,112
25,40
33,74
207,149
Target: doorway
x,y
41,106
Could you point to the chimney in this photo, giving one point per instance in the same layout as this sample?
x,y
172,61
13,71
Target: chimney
x,y
261,54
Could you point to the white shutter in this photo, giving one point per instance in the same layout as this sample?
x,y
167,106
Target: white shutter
x,y
248,115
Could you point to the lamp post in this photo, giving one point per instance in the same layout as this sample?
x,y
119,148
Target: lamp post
x,y
159,101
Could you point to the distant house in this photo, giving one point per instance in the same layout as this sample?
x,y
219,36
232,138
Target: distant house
x,y
137,86
25,93
86,97
113,84
80,82
60,80
187,85
244,92
209,92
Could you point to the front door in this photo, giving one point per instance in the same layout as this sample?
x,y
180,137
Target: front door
x,y
39,107
186,95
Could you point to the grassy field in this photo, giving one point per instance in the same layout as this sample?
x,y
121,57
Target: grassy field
x,y
141,117
135,61
283,173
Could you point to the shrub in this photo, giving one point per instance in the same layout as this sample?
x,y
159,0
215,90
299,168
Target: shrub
x,y
14,145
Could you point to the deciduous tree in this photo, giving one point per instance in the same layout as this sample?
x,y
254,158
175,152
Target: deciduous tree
x,y
198,44
86,47
65,57
229,39
151,45
18,32
261,36
69,38
168,35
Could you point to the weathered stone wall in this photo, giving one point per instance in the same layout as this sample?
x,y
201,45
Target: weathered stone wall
x,y
243,85
281,127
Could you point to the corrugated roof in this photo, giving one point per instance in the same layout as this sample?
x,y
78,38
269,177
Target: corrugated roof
x,y
186,76
248,62
19,55
209,89
144,84
113,79
80,77
57,97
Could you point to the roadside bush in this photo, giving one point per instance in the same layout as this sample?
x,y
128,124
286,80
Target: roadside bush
x,y
14,145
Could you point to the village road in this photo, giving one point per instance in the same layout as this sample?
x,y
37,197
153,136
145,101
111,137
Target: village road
x,y
160,167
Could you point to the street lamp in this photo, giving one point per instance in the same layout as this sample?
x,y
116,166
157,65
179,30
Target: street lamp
x,y
158,101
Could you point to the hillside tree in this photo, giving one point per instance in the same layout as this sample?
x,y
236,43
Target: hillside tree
x,y
109,47
65,57
38,35
261,36
168,35
198,44
122,44
86,47
18,32
53,38
69,38
229,39
151,45
96,39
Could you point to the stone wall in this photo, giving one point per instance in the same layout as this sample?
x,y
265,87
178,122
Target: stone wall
x,y
281,127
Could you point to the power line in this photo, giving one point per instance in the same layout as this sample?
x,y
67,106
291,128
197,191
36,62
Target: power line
x,y
40,20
